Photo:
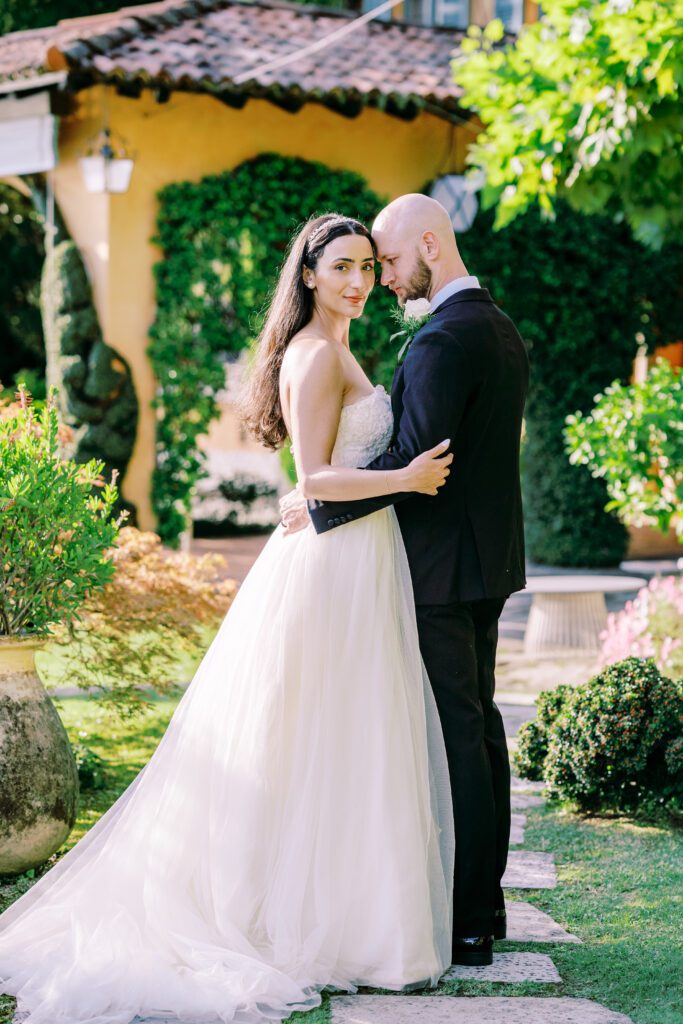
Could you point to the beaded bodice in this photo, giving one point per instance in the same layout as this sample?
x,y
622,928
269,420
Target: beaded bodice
x,y
365,429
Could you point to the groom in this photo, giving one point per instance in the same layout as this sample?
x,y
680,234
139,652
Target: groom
x,y
464,376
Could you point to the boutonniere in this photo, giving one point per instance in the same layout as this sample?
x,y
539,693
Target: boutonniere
x,y
414,315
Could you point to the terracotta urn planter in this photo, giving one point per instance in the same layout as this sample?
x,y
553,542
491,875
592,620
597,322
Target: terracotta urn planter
x,y
38,775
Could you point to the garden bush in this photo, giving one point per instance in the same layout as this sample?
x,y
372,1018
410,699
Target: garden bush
x,y
56,522
155,615
615,745
95,388
223,241
633,439
533,737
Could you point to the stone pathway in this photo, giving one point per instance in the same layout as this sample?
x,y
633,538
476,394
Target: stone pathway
x,y
527,869
470,1010
509,967
529,924
517,826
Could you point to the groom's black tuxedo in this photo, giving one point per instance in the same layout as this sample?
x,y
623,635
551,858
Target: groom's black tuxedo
x,y
464,377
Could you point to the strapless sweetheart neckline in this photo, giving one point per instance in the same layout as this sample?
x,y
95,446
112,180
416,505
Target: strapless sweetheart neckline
x,y
377,388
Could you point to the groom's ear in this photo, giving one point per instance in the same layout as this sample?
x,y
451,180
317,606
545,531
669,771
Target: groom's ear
x,y
430,245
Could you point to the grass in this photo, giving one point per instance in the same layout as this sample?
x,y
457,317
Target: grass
x,y
619,885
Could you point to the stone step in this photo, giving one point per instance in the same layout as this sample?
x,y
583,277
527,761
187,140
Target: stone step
x,y
517,826
510,967
523,801
530,870
470,1010
518,785
529,924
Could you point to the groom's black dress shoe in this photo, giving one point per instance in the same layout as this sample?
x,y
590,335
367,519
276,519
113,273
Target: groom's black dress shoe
x,y
500,924
474,952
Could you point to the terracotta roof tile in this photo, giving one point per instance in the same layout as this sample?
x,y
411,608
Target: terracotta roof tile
x,y
207,45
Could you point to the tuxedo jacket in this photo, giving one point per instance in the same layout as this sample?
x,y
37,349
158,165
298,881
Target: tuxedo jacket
x,y
464,377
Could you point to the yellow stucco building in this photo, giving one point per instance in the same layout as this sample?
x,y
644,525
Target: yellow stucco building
x,y
195,94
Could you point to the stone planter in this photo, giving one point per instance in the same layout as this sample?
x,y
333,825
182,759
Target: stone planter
x,y
38,775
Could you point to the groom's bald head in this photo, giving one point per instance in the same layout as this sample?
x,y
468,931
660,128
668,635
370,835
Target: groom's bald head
x,y
411,216
416,246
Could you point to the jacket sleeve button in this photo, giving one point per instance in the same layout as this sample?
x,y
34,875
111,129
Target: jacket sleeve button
x,y
330,522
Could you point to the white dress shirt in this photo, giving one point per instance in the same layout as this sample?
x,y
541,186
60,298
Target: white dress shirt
x,y
458,285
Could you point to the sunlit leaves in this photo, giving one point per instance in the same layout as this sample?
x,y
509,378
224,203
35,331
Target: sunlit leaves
x,y
586,105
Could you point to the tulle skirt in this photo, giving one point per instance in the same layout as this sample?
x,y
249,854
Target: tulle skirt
x,y
293,830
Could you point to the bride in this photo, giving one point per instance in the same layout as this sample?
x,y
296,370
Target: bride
x,y
293,830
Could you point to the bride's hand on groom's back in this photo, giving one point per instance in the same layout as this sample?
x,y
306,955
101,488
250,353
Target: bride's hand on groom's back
x,y
428,472
294,512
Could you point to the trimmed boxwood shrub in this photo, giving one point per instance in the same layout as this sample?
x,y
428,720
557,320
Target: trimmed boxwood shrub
x,y
533,737
584,295
96,396
223,240
613,743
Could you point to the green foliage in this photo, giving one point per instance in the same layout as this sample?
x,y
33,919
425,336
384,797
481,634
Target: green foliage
x,y
585,104
650,626
91,767
614,744
534,736
633,439
95,389
224,240
147,630
21,260
583,295
16,15
56,524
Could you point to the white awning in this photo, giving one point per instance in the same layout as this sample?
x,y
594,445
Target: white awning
x,y
28,135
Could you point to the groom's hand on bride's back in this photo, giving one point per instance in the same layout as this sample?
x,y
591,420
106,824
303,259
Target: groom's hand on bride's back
x,y
294,512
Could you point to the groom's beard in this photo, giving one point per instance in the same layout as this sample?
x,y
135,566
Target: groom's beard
x,y
419,284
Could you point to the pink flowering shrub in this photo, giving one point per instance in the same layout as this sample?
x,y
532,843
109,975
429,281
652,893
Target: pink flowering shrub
x,y
651,626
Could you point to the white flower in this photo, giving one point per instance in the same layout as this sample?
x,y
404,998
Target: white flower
x,y
415,309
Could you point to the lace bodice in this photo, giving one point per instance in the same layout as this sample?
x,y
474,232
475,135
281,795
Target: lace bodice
x,y
365,430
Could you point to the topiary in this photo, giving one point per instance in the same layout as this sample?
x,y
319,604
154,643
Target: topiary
x,y
223,241
534,736
95,390
616,743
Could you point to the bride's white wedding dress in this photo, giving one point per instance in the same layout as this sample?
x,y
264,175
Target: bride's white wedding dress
x,y
292,831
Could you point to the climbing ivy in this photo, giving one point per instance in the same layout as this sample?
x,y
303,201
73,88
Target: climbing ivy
x,y
223,240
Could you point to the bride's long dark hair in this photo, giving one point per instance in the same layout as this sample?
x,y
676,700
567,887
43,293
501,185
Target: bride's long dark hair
x,y
290,310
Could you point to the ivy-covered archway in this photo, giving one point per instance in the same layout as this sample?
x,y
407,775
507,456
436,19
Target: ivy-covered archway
x,y
223,241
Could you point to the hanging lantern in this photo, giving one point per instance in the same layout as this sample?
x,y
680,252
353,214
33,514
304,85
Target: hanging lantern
x,y
107,166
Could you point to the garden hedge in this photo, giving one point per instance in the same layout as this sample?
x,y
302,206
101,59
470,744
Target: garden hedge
x,y
584,295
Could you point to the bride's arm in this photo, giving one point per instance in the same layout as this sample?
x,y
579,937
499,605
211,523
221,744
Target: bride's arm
x,y
315,401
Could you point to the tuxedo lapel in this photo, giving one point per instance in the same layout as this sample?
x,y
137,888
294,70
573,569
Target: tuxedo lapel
x,y
397,397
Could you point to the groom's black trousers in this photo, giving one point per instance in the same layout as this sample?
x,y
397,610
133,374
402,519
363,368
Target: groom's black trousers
x,y
458,644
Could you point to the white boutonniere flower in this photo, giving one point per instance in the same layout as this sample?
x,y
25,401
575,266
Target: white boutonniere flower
x,y
414,315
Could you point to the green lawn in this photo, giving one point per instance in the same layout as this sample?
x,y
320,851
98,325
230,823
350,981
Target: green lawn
x,y
619,886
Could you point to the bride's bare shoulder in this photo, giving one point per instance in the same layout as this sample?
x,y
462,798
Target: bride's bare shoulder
x,y
311,353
